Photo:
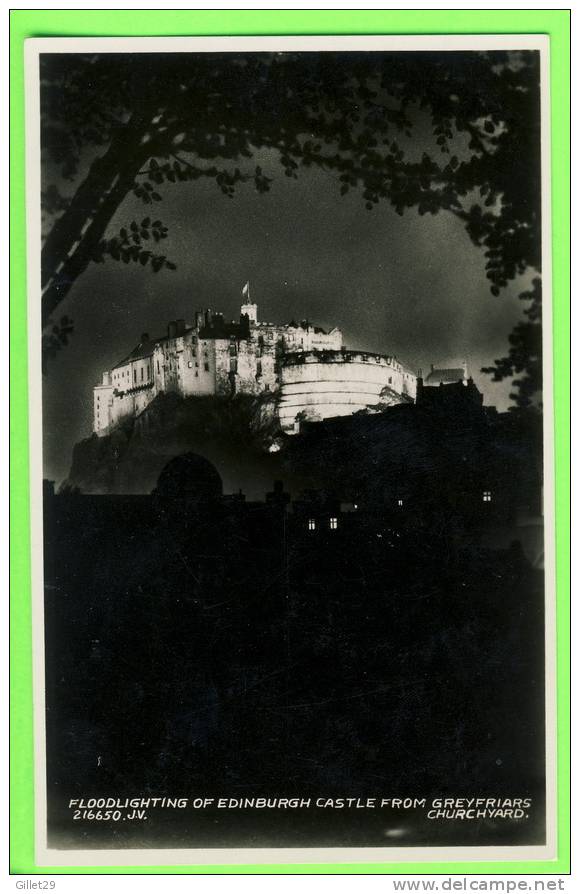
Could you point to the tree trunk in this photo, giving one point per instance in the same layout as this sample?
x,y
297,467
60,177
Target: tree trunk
x,y
68,250
78,261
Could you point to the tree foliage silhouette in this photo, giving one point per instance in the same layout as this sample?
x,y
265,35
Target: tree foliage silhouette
x,y
130,124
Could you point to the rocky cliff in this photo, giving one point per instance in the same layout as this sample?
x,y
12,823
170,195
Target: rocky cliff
x,y
235,434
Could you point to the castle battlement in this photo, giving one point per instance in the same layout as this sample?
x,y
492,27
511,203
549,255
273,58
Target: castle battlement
x,y
345,356
308,369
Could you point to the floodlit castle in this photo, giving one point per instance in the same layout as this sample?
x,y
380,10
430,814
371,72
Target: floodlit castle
x,y
307,369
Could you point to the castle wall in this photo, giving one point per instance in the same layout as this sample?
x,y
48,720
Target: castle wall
x,y
191,359
266,372
171,364
158,366
297,337
206,368
339,383
102,405
133,374
244,366
126,391
189,365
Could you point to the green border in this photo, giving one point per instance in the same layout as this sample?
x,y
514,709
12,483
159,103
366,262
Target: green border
x,y
63,23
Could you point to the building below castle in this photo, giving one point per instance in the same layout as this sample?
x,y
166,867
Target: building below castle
x,y
307,369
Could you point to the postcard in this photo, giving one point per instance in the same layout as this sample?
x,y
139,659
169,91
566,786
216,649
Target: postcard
x,y
291,449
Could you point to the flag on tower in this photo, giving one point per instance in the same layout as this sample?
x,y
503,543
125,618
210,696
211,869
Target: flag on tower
x,y
246,290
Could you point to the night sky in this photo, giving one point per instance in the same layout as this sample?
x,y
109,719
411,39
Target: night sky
x,y
411,286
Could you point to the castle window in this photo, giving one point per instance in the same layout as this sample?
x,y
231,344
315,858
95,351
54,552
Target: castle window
x,y
141,373
190,364
134,376
312,524
487,496
390,380
399,502
158,367
333,523
206,367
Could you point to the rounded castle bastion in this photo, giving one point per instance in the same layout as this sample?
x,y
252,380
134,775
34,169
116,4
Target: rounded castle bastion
x,y
317,385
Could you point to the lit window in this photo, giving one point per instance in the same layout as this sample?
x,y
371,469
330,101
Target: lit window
x,y
333,523
190,364
487,496
399,502
312,524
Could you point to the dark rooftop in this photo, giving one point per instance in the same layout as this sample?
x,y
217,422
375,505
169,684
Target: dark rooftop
x,y
145,348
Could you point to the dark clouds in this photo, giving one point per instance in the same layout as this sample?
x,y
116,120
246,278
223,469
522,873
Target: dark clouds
x,y
411,286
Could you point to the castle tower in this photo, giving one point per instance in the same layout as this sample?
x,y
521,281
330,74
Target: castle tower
x,y
249,309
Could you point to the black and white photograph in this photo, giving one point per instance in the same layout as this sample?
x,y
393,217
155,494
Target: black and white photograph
x,y
290,366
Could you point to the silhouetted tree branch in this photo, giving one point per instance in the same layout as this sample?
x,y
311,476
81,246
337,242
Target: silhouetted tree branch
x,y
148,120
